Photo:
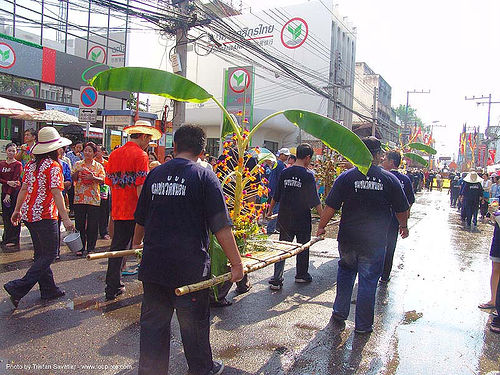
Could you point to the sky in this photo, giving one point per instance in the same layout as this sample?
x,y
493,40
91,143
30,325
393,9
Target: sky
x,y
450,47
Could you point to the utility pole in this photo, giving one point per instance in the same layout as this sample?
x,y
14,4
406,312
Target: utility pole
x,y
374,111
181,51
489,102
333,86
407,104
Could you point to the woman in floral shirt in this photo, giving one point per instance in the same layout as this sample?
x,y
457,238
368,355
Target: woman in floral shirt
x,y
88,175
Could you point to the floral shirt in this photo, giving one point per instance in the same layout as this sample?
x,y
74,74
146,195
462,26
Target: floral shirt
x,y
85,192
39,203
127,168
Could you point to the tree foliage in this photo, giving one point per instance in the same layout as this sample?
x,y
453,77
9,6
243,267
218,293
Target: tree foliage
x,y
412,115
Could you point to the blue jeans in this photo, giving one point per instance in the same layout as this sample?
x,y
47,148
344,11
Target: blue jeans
x,y
193,314
471,209
392,238
271,226
45,237
301,270
369,264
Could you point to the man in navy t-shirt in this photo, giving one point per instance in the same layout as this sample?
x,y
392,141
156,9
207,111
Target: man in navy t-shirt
x,y
274,178
179,203
367,204
471,192
296,193
391,163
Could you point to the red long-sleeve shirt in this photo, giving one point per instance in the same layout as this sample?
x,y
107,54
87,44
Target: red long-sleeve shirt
x,y
9,172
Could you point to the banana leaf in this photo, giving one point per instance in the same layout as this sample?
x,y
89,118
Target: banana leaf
x,y
416,158
150,81
421,147
218,260
334,136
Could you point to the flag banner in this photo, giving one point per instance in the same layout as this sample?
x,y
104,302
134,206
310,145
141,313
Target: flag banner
x,y
491,157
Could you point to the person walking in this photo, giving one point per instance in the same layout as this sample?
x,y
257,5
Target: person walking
x,y
367,203
495,268
87,176
471,192
274,178
486,184
38,204
10,174
296,192
126,172
104,190
391,163
180,202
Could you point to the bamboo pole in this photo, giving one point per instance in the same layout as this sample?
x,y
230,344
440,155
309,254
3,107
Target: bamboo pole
x,y
263,263
114,254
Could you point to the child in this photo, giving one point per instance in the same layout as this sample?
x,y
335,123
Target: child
x,y
483,208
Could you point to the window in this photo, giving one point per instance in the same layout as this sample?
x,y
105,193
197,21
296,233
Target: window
x,y
271,146
212,146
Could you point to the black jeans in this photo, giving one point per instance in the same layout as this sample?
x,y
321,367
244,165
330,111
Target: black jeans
x,y
193,314
11,233
103,217
44,235
122,240
471,208
302,265
86,222
392,238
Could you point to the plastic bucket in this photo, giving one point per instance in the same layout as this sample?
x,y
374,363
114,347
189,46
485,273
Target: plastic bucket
x,y
73,241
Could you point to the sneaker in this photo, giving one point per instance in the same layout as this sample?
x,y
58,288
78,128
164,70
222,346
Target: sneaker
x,y
302,280
111,297
242,290
275,286
217,368
337,317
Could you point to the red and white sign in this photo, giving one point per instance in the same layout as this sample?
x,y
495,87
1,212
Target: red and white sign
x,y
239,80
88,97
97,54
294,33
7,56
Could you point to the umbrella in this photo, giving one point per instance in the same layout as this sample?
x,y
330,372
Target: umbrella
x,y
11,108
50,115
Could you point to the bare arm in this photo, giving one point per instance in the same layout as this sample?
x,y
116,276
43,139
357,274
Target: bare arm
x,y
16,215
138,236
403,223
326,215
319,208
271,207
226,240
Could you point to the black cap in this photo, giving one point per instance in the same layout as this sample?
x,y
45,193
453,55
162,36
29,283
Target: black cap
x,y
373,144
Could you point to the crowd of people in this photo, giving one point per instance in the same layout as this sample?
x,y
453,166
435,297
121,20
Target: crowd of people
x,y
171,209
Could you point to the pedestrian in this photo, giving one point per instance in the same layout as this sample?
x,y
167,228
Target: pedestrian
x,y
10,174
454,191
495,322
38,204
495,268
87,176
68,182
274,177
471,192
153,160
486,184
74,155
25,153
391,163
105,198
367,202
291,160
296,192
126,172
180,202
483,208
439,181
432,174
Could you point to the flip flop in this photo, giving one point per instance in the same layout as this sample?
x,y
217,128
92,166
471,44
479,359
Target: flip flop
x,y
494,328
129,272
486,306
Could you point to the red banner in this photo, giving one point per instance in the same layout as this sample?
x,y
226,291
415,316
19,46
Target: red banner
x,y
491,156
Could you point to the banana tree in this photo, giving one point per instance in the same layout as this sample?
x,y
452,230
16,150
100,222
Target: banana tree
x,y
173,86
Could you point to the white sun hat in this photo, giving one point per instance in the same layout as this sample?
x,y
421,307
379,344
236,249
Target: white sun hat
x,y
49,140
472,177
143,127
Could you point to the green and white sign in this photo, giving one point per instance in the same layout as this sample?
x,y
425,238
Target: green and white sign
x,y
239,95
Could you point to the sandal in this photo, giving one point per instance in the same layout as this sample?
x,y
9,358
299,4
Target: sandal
x,y
79,253
494,328
486,306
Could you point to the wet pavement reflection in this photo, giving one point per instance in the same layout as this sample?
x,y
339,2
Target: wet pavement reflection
x,y
427,320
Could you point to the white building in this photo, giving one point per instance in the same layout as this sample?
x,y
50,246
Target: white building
x,y
317,44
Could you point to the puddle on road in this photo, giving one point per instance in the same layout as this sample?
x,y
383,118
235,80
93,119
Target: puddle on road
x,y
412,316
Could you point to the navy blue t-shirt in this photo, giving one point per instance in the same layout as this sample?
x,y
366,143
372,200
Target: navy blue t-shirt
x,y
407,186
274,178
472,192
367,203
180,201
297,194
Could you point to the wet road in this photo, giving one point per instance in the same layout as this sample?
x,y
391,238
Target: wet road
x,y
427,320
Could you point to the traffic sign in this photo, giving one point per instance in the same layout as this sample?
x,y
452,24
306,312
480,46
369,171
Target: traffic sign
x,y
88,97
87,115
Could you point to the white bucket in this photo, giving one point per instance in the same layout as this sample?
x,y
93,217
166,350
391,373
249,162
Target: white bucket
x,y
73,241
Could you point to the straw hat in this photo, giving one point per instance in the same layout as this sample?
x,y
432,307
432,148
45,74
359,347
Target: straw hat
x,y
143,127
49,140
472,177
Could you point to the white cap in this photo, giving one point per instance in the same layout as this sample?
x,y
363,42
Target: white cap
x,y
284,151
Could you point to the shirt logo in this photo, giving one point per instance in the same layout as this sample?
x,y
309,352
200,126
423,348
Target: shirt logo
x,y
293,182
368,185
169,188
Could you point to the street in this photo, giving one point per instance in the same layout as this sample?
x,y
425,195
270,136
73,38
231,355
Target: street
x,y
427,320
